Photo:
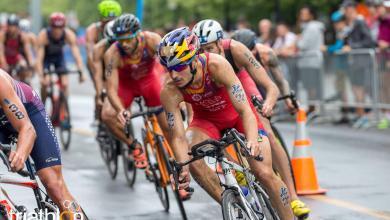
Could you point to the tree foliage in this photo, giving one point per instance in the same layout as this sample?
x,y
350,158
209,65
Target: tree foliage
x,y
166,13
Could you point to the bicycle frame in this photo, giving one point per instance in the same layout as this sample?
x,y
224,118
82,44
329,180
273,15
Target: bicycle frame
x,y
32,183
152,129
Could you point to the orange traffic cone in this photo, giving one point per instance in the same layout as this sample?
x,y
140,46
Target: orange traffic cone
x,y
302,162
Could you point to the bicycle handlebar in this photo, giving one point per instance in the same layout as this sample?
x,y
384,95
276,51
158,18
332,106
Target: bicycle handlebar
x,y
5,150
259,103
213,148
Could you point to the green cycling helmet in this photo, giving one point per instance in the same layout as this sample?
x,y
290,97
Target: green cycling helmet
x,y
109,9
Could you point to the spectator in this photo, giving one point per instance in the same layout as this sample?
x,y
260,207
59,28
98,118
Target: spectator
x,y
358,37
284,45
372,17
384,45
310,60
340,63
265,32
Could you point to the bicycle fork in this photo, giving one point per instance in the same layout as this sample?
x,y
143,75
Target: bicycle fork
x,y
231,183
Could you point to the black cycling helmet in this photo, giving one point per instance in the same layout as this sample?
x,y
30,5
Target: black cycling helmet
x,y
245,36
13,20
126,23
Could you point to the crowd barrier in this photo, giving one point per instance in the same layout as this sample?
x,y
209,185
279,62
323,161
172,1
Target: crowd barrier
x,y
359,78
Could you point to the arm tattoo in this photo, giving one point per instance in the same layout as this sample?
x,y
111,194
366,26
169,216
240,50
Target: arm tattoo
x,y
253,61
14,109
238,93
109,68
171,120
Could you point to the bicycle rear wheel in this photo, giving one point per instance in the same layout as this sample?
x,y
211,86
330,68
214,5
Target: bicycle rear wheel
x,y
281,141
232,207
64,120
170,172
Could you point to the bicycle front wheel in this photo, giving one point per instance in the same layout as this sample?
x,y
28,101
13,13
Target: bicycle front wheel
x,y
64,120
129,166
112,157
232,207
166,158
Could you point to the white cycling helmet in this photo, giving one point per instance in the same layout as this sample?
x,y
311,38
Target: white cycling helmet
x,y
208,31
25,25
108,33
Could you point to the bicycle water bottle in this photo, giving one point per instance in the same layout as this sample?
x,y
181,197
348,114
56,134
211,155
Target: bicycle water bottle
x,y
249,197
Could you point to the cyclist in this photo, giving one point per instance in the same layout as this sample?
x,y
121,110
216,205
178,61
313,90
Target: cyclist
x,y
22,114
131,70
15,53
266,56
98,64
25,27
50,52
243,62
208,83
108,10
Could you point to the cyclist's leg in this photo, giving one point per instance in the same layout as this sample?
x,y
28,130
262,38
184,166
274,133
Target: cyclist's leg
x,y
24,74
47,158
46,67
150,90
199,131
279,158
275,187
109,118
63,76
263,172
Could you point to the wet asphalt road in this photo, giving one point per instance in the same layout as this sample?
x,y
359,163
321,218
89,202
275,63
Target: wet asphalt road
x,y
353,165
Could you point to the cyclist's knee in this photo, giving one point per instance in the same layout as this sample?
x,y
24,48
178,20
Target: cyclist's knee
x,y
108,114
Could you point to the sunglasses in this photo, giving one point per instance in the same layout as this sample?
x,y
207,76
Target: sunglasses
x,y
126,38
178,68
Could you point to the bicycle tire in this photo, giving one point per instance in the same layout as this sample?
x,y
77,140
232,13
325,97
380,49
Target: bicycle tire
x,y
163,194
268,210
129,168
283,143
170,172
112,157
101,137
229,199
65,131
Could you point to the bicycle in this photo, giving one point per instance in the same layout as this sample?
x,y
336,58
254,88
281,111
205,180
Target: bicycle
x,y
259,105
111,148
159,154
58,104
8,209
248,201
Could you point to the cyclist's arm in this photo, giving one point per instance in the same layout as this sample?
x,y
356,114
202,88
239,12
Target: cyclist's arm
x,y
111,68
3,61
72,41
90,39
171,99
153,40
17,116
27,49
42,41
272,62
98,53
224,75
244,58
